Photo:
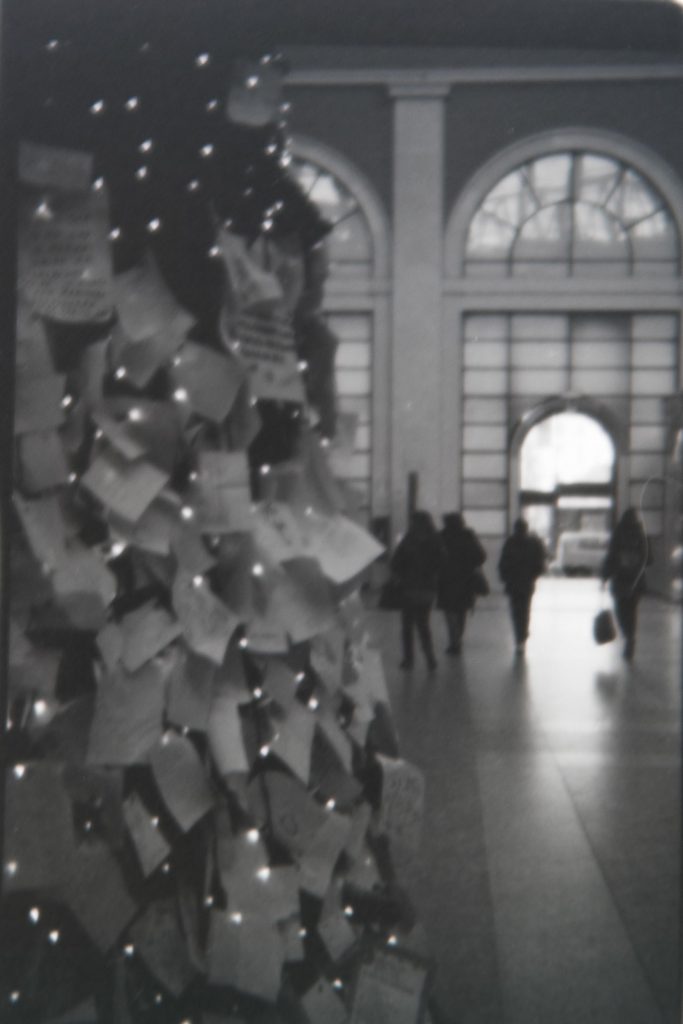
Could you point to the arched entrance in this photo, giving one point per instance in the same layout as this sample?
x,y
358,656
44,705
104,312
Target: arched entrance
x,y
564,470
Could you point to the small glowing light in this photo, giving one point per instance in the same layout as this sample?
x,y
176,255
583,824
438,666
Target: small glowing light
x,y
253,402
193,186
73,477
34,914
392,941
265,750
244,643
180,395
14,997
348,911
268,224
187,512
208,902
135,415
285,159
117,549
197,581
98,107
263,874
299,677
165,868
308,511
120,373
185,730
266,58
88,826
302,365
43,211
324,442
337,983
155,822
257,569
114,234
236,346
271,149
202,59
133,103
98,184
194,476
236,917
264,470
142,173
212,105
207,150
19,771
258,693
166,739
313,703
158,998
99,434
251,82
253,835
54,936
302,933
215,251
154,225
331,804
129,950
67,401
52,45
40,708
147,146
285,107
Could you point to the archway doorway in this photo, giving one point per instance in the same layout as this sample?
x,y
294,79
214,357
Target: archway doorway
x,y
567,478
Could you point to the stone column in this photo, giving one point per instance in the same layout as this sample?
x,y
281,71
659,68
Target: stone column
x,y
417,290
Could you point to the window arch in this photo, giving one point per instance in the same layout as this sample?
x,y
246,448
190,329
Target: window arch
x,y
572,214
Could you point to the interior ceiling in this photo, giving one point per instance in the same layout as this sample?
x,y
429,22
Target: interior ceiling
x,y
254,26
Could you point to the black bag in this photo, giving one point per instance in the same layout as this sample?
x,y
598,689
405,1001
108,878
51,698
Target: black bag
x,y
480,585
391,596
604,629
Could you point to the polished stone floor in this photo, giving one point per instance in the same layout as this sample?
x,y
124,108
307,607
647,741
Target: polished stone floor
x,y
549,873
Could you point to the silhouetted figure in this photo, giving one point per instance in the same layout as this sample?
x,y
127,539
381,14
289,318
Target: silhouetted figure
x,y
522,561
458,587
415,564
628,555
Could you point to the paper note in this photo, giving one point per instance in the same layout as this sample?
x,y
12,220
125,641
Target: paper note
x,y
301,600
150,845
254,889
42,462
45,528
389,988
39,835
64,256
128,715
293,942
159,942
402,802
360,821
245,421
146,307
84,588
226,741
181,779
54,167
127,488
96,893
248,955
223,499
255,93
207,380
321,854
342,548
321,1003
372,675
296,817
157,426
293,740
190,692
118,435
268,350
38,403
336,933
266,635
189,549
327,657
252,287
280,683
33,355
334,734
146,631
92,372
207,623
277,532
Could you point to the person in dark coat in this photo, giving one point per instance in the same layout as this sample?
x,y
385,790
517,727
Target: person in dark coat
x,y
457,591
521,562
628,555
415,564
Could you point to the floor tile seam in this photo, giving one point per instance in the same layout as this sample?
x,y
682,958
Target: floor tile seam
x,y
608,888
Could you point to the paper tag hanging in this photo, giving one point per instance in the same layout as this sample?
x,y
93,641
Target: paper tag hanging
x,y
255,93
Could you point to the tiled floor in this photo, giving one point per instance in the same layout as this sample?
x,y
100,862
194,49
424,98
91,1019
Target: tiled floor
x,y
549,874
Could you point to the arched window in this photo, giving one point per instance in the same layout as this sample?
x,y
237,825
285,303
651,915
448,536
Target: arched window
x,y
572,214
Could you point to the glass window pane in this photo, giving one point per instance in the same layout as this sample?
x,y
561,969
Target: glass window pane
x,y
353,355
633,199
608,327
657,325
484,439
539,382
485,494
596,177
484,467
597,235
351,326
648,410
486,268
550,177
600,354
353,382
654,353
648,439
537,354
542,326
486,353
546,235
653,382
489,235
359,406
485,410
644,466
350,240
487,523
600,382
485,382
478,327
510,200
655,238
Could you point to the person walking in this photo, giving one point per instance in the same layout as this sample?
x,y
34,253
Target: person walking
x,y
628,555
415,565
521,562
459,579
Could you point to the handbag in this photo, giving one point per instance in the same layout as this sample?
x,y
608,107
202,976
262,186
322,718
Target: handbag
x,y
390,596
604,629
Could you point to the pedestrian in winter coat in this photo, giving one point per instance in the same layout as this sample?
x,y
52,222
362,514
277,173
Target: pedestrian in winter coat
x,y
522,561
415,565
628,555
458,579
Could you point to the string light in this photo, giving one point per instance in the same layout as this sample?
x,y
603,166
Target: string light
x,y
208,902
165,868
158,999
98,107
120,373
244,643
147,146
114,234
202,59
331,804
135,415
212,105
265,750
98,184
302,933
193,186
117,549
236,917
154,822
187,512
264,470
15,996
142,173
154,225
34,914
133,103
257,569
67,401
54,936
271,149
268,224
206,150
43,211
252,81
197,581
180,395
337,983
253,835
348,911
313,703
40,708
52,45
19,771
11,868
302,365
263,874
285,159
88,826
129,950
215,251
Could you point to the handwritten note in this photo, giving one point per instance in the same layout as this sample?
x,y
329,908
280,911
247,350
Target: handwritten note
x,y
159,941
42,462
278,532
190,692
181,779
253,288
342,548
96,893
39,837
391,987
301,600
207,623
146,631
327,657
54,167
294,739
210,381
321,855
45,527
128,716
226,740
321,1002
84,588
150,845
223,499
127,488
268,349
64,258
296,817
146,308
402,802
247,955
